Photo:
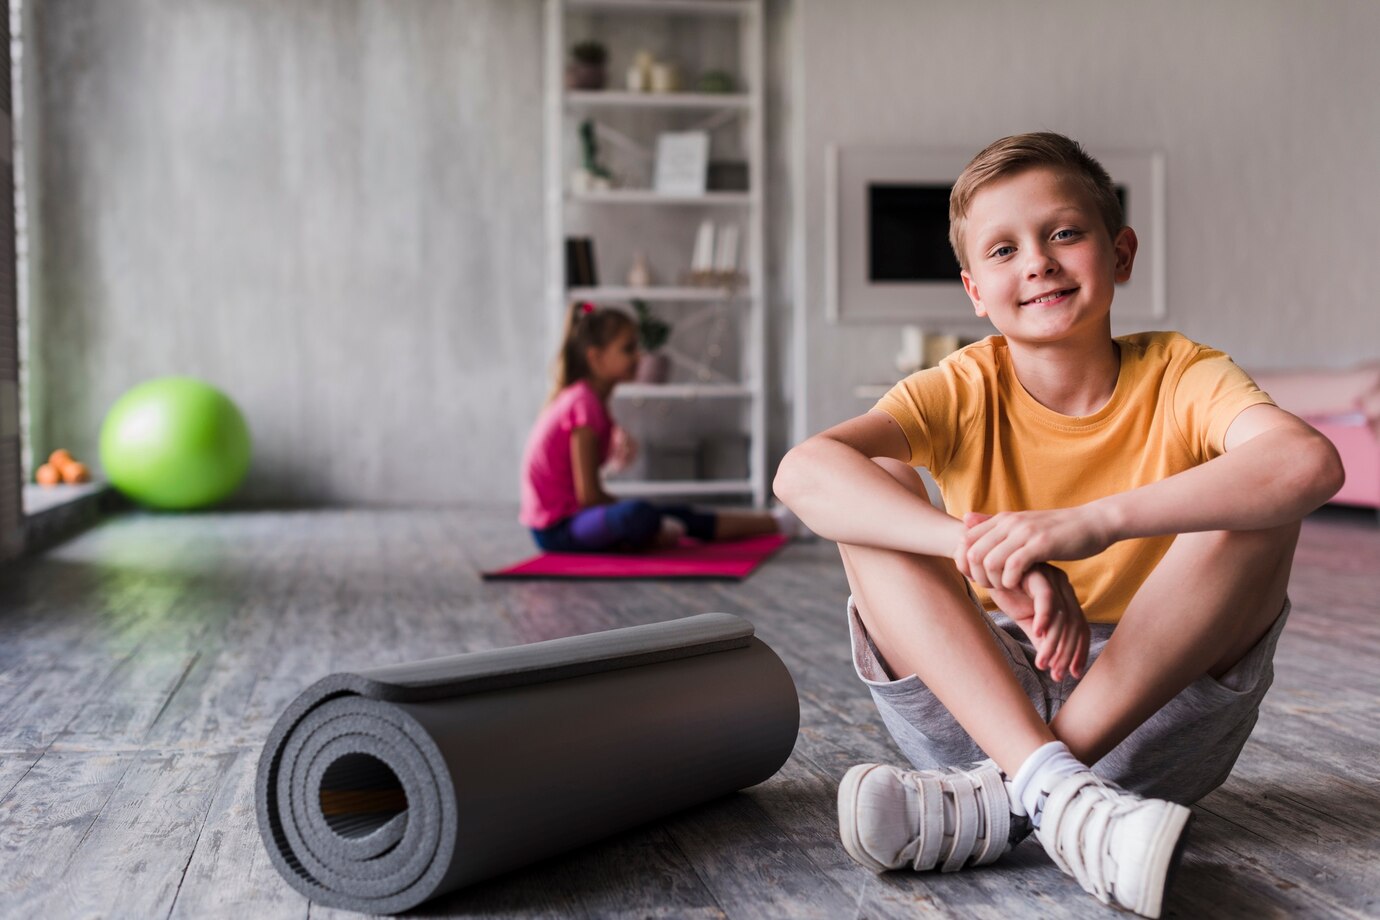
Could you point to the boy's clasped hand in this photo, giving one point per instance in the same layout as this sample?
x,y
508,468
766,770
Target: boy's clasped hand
x,y
1009,553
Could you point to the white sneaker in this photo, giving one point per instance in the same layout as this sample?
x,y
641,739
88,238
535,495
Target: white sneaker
x,y
1120,847
891,818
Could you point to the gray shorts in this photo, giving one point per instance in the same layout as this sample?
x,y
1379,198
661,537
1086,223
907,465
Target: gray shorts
x,y
1181,753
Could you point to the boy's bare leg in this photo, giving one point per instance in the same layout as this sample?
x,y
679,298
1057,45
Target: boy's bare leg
x,y
731,525
919,614
1208,602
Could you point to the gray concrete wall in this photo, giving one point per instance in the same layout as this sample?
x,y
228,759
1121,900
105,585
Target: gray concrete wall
x,y
1265,110
330,208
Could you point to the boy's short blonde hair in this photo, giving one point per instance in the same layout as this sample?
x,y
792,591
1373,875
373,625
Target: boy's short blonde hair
x,y
1020,152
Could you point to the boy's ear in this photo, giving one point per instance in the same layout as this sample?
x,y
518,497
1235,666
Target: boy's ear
x,y
1124,246
970,287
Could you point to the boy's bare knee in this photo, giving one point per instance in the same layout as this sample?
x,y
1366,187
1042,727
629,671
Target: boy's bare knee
x,y
903,473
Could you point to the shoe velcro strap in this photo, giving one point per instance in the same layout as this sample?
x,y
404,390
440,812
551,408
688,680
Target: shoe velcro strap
x,y
932,822
998,813
966,819
1094,831
1052,818
1074,830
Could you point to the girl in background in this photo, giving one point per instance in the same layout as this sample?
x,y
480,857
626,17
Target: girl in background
x,y
563,498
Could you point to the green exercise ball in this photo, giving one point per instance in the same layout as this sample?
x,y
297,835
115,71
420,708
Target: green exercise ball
x,y
175,443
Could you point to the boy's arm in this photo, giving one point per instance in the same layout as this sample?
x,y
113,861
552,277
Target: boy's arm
x,y
831,483
584,464
1275,470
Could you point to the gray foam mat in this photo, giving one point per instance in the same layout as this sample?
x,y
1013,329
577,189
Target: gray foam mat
x,y
380,789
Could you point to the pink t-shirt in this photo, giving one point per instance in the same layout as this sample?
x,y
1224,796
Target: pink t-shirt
x,y
548,478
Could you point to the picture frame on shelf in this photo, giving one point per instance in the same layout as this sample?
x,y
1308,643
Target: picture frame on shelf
x,y
682,163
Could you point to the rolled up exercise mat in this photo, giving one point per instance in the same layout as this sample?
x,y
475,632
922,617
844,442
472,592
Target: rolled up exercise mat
x,y
382,788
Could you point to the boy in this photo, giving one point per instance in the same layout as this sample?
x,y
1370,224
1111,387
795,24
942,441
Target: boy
x,y
1126,511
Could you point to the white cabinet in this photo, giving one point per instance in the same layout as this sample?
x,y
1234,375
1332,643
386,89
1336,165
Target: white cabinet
x,y
716,392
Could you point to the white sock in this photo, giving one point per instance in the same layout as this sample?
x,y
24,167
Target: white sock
x,y
1038,776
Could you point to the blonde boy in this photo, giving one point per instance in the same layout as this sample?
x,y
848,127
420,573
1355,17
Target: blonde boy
x,y
1108,583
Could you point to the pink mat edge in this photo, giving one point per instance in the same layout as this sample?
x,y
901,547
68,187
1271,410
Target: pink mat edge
x,y
729,561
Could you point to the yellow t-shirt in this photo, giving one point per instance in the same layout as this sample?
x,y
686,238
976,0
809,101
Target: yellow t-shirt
x,y
991,447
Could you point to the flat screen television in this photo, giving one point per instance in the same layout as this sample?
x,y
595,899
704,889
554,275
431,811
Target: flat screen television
x,y
908,233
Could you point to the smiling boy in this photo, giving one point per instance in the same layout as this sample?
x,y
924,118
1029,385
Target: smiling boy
x,y
1108,582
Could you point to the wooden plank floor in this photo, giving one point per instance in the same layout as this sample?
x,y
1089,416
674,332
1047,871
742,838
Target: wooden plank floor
x,y
142,664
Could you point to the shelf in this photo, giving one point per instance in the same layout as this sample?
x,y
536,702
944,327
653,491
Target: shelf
x,y
660,294
617,99
681,391
710,389
640,487
683,7
648,196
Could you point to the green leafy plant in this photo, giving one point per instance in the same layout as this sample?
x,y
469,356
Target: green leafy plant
x,y
716,81
651,329
590,52
589,146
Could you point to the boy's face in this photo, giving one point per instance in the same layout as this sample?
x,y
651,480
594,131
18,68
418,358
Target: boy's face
x,y
1041,265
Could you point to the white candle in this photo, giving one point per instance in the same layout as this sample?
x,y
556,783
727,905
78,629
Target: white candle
x,y
911,357
703,258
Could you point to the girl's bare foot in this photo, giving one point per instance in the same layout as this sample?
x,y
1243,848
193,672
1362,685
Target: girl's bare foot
x,y
671,532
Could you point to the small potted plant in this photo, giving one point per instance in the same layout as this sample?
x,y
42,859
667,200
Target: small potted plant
x,y
586,68
652,331
592,175
716,81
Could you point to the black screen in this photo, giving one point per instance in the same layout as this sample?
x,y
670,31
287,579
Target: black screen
x,y
908,232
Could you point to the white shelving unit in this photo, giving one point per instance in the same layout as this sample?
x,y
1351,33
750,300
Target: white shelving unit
x,y
614,99
678,7
645,391
742,111
648,197
659,294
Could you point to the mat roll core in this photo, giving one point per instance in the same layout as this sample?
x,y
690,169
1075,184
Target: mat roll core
x,y
380,789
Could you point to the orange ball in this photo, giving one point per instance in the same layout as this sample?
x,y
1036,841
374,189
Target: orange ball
x,y
60,458
74,472
47,475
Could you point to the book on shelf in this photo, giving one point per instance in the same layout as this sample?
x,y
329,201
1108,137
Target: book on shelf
x,y
580,270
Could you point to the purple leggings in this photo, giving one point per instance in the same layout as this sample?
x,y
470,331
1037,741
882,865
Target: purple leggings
x,y
629,524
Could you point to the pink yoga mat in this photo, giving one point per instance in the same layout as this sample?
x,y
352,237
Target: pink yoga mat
x,y
730,561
